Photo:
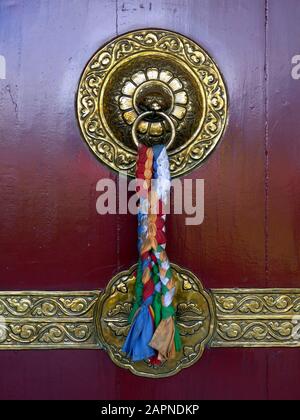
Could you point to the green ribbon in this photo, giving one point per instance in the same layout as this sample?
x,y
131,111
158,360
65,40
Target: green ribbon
x,y
138,292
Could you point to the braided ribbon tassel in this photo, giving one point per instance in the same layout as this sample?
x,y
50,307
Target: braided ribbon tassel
x,y
153,334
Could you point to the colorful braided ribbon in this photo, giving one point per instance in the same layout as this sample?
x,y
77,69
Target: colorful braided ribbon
x,y
153,334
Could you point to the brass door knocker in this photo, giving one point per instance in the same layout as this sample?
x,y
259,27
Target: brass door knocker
x,y
152,70
150,88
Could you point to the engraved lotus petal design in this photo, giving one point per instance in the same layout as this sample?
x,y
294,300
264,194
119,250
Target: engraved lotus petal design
x,y
153,78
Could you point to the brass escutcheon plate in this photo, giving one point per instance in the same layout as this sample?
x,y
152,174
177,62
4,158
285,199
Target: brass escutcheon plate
x,y
122,73
194,313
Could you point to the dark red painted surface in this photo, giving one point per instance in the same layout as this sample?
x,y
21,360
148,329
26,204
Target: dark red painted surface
x,y
283,190
50,235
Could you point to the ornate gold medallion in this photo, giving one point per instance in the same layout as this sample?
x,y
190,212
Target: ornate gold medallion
x,y
126,75
195,320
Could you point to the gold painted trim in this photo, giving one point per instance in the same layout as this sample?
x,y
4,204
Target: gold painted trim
x,y
98,320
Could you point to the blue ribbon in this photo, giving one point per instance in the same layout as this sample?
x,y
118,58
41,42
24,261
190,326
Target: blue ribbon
x,y
157,149
137,342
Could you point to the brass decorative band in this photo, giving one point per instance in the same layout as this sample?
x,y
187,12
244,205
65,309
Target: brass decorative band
x,y
257,318
47,320
99,320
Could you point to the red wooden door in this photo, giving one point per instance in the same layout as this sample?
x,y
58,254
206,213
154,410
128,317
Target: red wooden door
x,y
51,237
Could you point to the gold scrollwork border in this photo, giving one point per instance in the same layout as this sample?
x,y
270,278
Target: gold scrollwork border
x,y
257,318
99,320
48,320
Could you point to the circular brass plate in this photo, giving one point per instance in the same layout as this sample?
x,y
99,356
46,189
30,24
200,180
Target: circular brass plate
x,y
113,78
194,314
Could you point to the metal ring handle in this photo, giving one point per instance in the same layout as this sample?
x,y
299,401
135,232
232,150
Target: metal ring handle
x,y
163,115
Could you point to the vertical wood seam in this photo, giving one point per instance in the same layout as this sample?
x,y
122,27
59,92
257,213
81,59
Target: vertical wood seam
x,y
266,135
117,17
118,221
266,181
117,374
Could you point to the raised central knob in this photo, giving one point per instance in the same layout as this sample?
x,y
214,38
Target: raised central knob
x,y
153,96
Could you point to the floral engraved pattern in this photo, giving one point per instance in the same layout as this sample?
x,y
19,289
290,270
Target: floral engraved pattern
x,y
47,320
43,306
194,314
256,330
263,318
117,319
261,303
209,89
99,320
174,87
190,318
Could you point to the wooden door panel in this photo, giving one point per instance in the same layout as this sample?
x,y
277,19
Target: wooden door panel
x,y
50,231
50,234
283,170
283,144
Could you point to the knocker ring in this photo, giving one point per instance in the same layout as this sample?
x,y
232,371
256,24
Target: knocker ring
x,y
161,114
